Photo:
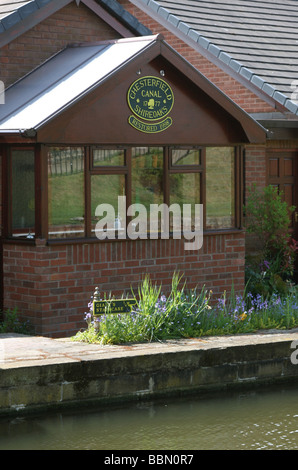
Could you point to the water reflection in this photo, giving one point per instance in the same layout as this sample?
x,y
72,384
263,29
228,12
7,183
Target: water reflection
x,y
254,420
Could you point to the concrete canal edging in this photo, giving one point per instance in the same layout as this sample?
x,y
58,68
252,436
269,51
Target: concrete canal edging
x,y
38,373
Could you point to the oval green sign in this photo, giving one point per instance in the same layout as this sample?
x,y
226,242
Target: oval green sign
x,y
150,98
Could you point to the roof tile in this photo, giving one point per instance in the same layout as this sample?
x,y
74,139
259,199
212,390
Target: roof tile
x,y
27,9
183,27
215,50
10,20
163,12
194,35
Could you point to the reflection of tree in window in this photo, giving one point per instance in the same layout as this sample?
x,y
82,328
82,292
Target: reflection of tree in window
x,y
108,157
186,157
185,187
147,176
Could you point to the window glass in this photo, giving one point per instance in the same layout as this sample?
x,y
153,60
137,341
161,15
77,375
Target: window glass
x,y
186,157
66,204
220,189
107,213
106,157
23,193
185,188
147,182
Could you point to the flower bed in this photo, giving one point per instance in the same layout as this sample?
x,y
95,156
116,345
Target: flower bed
x,y
185,314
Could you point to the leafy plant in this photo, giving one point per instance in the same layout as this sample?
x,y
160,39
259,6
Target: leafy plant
x,y
269,217
12,324
156,316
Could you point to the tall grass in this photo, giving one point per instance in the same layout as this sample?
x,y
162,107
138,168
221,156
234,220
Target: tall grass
x,y
189,313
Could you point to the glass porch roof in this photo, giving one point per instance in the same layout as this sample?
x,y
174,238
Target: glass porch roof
x,y
64,79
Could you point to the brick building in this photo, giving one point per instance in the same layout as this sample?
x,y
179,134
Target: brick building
x,y
73,136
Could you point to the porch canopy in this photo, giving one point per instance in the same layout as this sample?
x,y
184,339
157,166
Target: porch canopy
x,y
127,91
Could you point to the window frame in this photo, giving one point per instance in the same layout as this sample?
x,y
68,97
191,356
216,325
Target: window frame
x,y
41,185
194,168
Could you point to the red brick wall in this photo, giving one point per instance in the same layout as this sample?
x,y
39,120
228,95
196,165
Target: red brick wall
x,y
237,92
51,285
255,173
69,25
255,166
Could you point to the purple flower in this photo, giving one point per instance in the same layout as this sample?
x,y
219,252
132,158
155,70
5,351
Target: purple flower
x,y
88,317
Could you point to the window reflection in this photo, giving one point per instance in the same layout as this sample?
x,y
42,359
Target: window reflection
x,y
108,157
23,193
185,188
220,188
147,181
186,157
106,215
66,205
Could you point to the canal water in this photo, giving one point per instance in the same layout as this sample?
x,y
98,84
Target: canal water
x,y
262,419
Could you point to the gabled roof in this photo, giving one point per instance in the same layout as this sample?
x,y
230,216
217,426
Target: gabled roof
x,y
17,16
255,41
73,74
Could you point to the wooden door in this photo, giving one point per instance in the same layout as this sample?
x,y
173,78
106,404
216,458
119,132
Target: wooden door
x,y
282,173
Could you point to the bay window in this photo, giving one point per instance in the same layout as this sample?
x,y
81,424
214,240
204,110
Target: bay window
x,y
66,190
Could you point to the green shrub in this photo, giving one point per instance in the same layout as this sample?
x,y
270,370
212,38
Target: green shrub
x,y
269,217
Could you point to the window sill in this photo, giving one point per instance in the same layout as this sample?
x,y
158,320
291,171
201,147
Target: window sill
x,y
73,241
91,240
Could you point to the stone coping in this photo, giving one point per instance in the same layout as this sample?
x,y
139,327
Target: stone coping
x,y
28,351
